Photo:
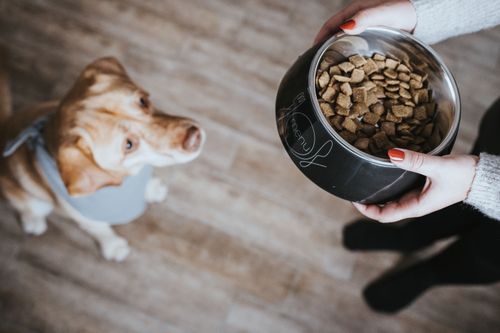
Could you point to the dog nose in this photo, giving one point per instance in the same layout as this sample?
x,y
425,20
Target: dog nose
x,y
193,139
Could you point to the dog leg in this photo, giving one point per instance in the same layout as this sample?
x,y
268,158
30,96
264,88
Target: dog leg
x,y
33,211
156,191
34,220
113,247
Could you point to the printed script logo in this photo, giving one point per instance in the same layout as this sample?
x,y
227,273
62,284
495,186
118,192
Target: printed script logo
x,y
299,135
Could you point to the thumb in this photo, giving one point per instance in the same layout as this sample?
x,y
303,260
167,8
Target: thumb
x,y
423,164
399,15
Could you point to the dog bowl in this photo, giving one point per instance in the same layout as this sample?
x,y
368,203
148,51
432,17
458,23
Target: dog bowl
x,y
318,150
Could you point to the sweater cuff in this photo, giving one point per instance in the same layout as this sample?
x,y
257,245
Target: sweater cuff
x,y
485,190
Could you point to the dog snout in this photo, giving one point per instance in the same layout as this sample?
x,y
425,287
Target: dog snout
x,y
192,141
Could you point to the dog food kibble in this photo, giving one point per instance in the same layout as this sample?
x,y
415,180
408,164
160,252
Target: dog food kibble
x,y
377,103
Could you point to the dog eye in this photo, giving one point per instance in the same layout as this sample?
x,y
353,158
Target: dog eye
x,y
144,102
130,145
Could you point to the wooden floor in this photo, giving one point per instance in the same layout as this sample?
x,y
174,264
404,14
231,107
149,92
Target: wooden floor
x,y
244,243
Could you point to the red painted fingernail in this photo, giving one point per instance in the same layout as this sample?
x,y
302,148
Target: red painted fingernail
x,y
349,25
396,155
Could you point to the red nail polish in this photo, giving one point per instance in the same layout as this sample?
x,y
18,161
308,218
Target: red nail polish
x,y
396,155
349,25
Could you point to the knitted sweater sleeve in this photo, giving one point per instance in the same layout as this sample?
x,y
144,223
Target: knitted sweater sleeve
x,y
485,191
441,19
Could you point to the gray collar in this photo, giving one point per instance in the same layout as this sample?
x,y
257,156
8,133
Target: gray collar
x,y
111,204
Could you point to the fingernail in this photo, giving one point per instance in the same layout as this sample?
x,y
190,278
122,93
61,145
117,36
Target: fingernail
x,y
396,155
349,25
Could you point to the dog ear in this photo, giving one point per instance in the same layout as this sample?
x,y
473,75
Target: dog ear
x,y
106,65
79,172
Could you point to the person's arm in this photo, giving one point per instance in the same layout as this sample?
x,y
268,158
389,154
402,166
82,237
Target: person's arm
x,y
429,20
485,190
441,19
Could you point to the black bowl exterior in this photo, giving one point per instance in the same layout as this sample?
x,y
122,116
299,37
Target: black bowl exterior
x,y
323,158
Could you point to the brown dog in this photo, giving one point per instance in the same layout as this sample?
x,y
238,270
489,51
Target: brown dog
x,y
98,139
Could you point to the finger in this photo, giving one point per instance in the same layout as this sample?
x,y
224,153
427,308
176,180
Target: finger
x,y
332,25
393,211
399,15
423,164
413,204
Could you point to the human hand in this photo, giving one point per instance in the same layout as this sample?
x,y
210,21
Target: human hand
x,y
361,14
449,179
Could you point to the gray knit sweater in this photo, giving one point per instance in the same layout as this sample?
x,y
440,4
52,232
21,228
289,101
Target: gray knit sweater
x,y
441,19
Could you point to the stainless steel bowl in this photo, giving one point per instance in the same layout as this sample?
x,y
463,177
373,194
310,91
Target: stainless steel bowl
x,y
319,151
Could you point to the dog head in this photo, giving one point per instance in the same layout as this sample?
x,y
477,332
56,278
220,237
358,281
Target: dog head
x,y
109,129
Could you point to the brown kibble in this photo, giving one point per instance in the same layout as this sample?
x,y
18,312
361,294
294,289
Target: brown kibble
x,y
359,95
389,128
335,70
346,67
392,88
382,104
357,60
378,109
348,136
329,94
370,67
350,125
416,77
420,112
403,68
371,98
380,64
368,129
403,127
371,118
344,101
326,109
336,122
403,143
358,109
377,77
379,92
421,96
416,84
390,63
381,140
357,75
346,89
402,111
369,85
404,77
391,73
342,111
392,82
404,93
404,85
391,117
324,79
391,95
341,78
362,143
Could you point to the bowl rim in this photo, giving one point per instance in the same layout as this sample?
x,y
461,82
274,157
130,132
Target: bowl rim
x,y
384,30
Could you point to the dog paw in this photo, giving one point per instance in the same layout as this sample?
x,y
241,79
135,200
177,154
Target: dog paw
x,y
34,225
115,248
156,191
